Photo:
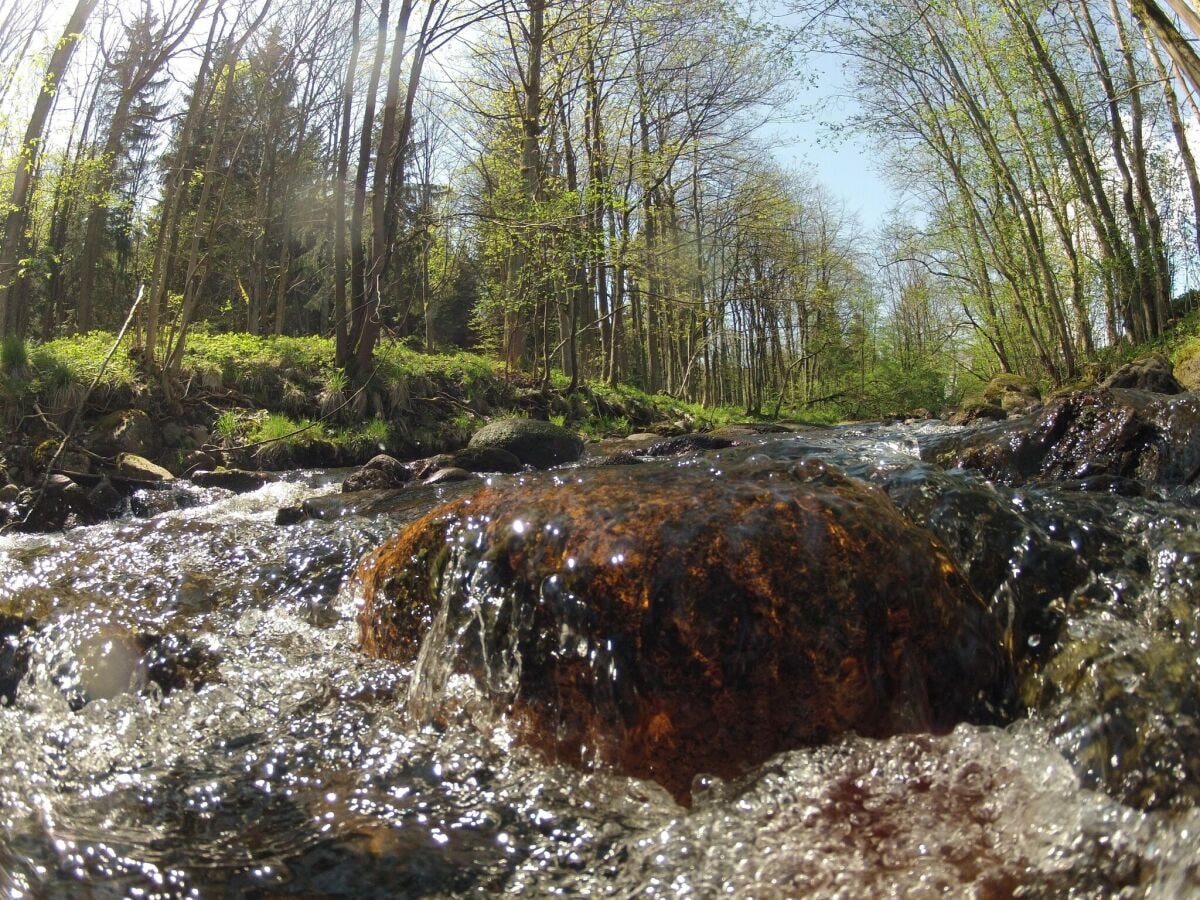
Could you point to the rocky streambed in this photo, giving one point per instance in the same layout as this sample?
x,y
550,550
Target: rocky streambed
x,y
828,663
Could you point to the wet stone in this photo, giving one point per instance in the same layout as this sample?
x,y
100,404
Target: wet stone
x,y
1018,567
240,481
14,654
1112,432
688,443
978,411
620,458
445,476
671,622
379,473
485,459
150,502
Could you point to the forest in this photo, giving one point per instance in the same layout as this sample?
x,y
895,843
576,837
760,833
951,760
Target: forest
x,y
463,448
587,189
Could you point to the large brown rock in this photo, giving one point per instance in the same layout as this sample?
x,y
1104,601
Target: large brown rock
x,y
669,621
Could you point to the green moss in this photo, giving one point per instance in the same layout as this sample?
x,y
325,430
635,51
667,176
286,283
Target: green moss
x,y
1177,344
597,427
408,403
1007,382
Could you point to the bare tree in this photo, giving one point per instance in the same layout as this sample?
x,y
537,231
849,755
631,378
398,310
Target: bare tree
x,y
23,180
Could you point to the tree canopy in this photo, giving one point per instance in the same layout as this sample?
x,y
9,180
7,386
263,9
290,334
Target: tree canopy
x,y
588,187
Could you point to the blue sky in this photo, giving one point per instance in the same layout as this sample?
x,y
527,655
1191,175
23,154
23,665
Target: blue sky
x,y
846,164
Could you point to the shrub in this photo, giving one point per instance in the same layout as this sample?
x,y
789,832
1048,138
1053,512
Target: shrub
x,y
14,353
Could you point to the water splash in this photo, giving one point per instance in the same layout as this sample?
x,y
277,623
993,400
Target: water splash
x,y
297,768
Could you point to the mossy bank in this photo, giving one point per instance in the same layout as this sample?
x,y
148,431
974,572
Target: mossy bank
x,y
275,403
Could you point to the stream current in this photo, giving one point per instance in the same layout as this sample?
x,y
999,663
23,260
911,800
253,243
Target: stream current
x,y
290,766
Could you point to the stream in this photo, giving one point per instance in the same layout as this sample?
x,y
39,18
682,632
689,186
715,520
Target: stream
x,y
196,720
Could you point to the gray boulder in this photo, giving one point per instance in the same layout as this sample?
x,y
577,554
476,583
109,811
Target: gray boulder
x,y
1146,373
127,431
1012,393
133,466
532,441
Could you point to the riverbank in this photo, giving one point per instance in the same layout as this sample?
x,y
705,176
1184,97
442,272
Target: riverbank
x,y
95,423
268,404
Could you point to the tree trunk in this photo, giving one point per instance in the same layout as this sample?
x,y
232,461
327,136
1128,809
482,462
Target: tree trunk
x,y
174,193
23,179
340,330
381,236
358,263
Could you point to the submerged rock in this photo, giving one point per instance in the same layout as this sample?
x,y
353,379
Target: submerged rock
x,y
532,441
1124,709
150,502
175,662
113,661
1020,569
671,622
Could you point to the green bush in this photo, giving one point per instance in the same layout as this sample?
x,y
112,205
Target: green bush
x,y
14,353
279,428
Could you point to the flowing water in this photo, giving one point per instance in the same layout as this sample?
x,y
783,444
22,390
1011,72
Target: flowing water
x,y
196,720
